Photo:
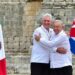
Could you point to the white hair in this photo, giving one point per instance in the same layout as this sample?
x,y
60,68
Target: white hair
x,y
47,14
60,22
41,16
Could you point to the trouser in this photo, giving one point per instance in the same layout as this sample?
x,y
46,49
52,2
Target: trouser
x,y
40,69
67,70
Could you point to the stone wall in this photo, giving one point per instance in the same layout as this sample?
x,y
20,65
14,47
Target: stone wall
x,y
18,20
62,9
16,43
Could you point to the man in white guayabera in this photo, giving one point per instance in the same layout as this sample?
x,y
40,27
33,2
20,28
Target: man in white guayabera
x,y
60,64
40,55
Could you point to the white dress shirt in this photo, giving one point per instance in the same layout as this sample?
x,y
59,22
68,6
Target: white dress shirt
x,y
40,54
58,60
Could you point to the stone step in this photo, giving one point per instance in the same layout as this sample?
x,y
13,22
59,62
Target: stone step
x,y
18,65
18,69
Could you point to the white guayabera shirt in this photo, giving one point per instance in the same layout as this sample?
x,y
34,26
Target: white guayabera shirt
x,y
58,60
40,54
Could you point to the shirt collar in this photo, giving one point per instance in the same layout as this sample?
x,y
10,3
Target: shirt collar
x,y
45,29
61,32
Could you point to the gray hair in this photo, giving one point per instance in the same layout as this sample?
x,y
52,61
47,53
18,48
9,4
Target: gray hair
x,y
47,14
60,22
40,17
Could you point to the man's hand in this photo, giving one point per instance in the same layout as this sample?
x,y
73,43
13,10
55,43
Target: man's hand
x,y
37,37
61,50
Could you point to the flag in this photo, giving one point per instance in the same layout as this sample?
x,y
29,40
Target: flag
x,y
2,55
72,37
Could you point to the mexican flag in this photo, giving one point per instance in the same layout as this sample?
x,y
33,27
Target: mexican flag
x,y
72,37
2,55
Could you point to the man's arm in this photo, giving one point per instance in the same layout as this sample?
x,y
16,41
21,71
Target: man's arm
x,y
48,43
52,43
